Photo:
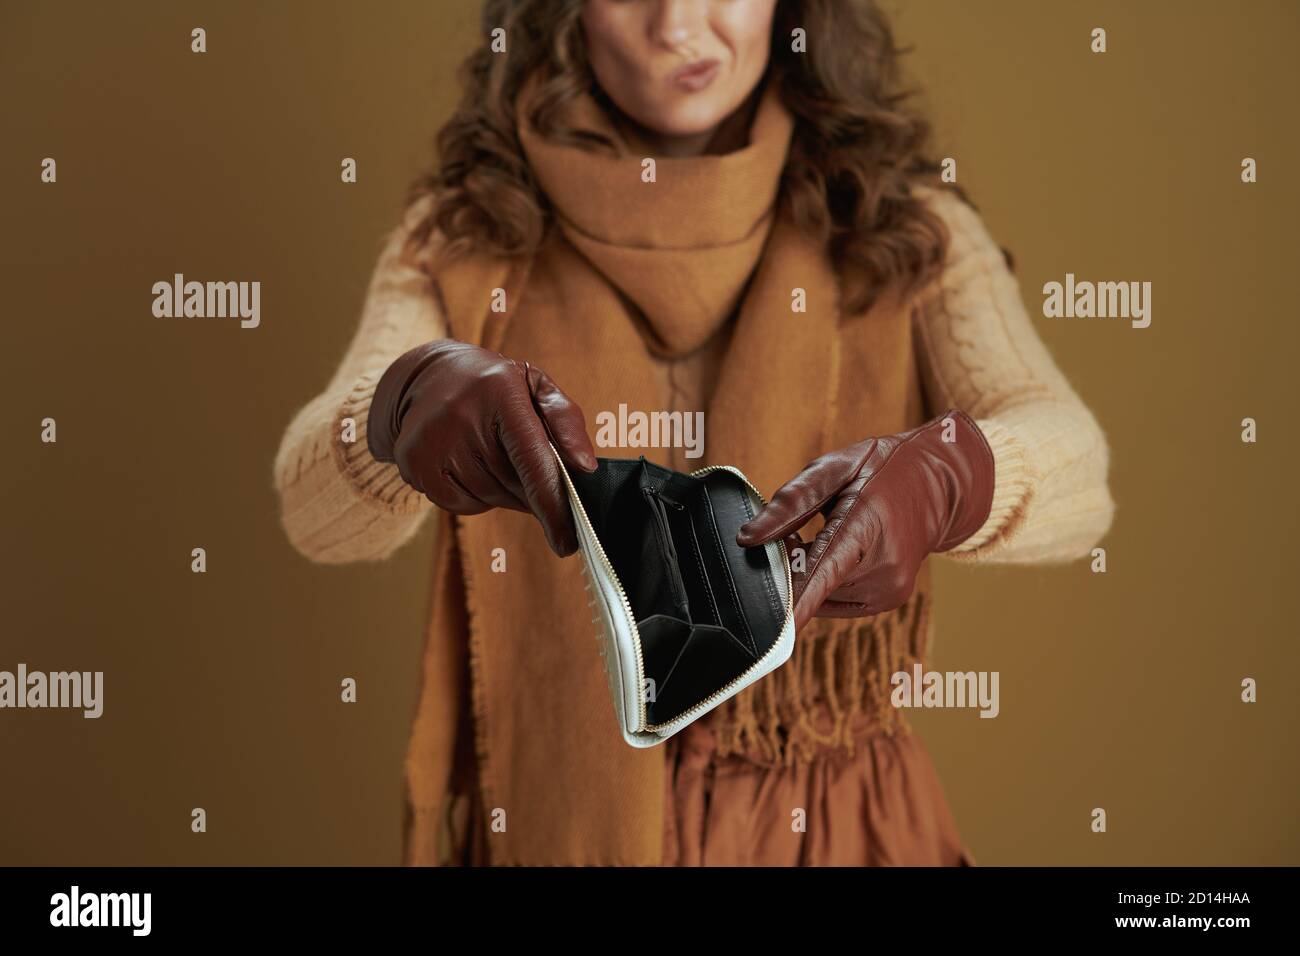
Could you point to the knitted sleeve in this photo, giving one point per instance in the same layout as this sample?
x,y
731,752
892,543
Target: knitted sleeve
x,y
337,504
979,352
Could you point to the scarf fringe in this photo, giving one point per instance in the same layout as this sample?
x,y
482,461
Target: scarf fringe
x,y
844,664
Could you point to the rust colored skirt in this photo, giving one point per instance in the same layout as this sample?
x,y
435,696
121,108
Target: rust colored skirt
x,y
870,798
877,802
797,789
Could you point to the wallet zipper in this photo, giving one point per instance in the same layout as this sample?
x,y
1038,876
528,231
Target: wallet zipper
x,y
618,584
721,693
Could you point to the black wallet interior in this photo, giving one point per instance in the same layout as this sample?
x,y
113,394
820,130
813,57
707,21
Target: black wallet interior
x,y
706,608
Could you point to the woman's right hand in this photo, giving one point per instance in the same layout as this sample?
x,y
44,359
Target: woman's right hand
x,y
469,428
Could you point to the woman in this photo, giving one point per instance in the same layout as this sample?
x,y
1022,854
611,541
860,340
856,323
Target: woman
x,y
716,206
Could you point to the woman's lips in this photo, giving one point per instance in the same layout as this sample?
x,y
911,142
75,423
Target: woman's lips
x,y
694,76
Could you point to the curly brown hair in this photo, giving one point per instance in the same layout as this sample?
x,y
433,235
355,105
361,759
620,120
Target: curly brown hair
x,y
856,152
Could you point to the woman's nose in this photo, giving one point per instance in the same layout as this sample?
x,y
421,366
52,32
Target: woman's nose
x,y
679,22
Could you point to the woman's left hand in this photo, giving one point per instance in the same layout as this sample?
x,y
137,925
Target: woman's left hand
x,y
889,502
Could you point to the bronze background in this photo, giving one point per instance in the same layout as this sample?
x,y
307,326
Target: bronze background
x,y
222,690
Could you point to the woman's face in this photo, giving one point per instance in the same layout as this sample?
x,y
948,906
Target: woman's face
x,y
678,67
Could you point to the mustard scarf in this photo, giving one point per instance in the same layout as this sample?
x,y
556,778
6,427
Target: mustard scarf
x,y
638,273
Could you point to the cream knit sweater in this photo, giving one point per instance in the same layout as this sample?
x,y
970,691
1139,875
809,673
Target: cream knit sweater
x,y
979,353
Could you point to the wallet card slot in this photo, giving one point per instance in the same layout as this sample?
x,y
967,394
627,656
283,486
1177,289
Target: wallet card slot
x,y
709,575
687,662
731,610
629,537
748,570
668,550
694,570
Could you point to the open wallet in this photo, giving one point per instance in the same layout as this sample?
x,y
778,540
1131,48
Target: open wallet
x,y
686,617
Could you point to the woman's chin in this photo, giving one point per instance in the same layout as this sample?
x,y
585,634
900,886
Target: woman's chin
x,y
685,117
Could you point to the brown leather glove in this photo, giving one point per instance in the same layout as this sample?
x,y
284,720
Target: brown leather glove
x,y
889,502
468,428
